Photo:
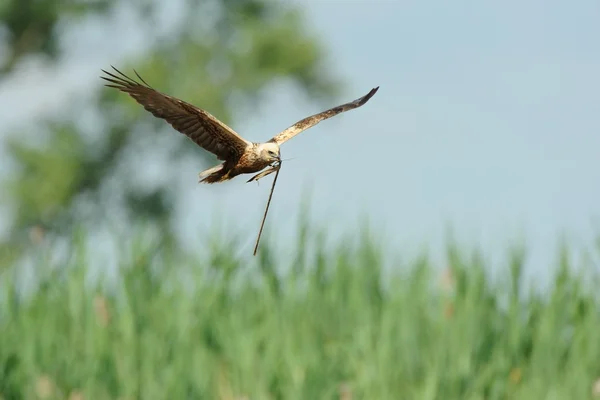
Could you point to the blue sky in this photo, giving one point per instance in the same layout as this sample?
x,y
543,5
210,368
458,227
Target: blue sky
x,y
487,121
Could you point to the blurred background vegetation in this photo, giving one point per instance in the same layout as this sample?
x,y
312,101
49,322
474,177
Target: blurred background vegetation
x,y
82,165
329,323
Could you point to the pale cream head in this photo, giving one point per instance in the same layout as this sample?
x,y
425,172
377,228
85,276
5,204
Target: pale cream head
x,y
269,151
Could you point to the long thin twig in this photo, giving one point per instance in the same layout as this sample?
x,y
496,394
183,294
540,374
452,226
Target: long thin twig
x,y
267,208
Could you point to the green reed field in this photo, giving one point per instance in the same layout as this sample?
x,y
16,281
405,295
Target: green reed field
x,y
324,324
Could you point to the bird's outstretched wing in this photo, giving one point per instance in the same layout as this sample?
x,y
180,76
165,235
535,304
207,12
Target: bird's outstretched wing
x,y
197,124
311,121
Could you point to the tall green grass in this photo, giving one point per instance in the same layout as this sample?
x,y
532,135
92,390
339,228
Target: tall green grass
x,y
325,324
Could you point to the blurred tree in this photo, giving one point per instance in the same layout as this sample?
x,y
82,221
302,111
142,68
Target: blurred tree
x,y
220,55
31,26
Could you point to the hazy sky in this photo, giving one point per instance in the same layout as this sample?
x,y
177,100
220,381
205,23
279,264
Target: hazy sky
x,y
487,121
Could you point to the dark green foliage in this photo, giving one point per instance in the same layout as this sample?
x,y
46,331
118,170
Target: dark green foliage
x,y
31,25
215,326
84,165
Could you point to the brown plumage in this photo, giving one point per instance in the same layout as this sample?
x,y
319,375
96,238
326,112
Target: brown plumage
x,y
240,156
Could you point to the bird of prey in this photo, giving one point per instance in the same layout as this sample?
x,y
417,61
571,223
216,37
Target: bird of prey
x,y
239,155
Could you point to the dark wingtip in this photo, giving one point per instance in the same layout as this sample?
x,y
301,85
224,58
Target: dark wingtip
x,y
141,79
123,76
122,80
366,97
105,72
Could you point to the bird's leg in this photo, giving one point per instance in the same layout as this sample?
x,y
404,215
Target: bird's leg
x,y
264,173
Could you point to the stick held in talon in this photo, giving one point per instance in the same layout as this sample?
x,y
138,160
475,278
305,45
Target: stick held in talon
x,y
263,174
277,169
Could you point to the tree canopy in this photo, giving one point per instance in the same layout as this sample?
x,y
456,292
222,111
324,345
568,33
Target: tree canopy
x,y
82,164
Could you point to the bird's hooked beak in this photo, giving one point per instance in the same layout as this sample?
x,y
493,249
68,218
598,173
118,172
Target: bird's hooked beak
x,y
277,158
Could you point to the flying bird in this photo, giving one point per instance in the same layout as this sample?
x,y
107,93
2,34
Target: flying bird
x,y
239,155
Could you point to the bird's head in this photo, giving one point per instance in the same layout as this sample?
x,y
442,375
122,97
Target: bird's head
x,y
269,152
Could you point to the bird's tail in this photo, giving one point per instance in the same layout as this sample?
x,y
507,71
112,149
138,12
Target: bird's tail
x,y
211,175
